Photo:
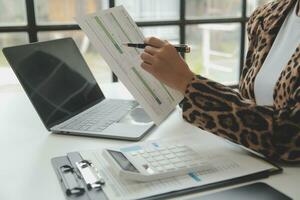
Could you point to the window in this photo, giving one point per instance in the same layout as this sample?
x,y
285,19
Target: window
x,y
209,9
214,29
215,51
12,13
151,10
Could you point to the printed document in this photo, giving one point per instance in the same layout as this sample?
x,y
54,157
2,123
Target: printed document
x,y
108,30
224,162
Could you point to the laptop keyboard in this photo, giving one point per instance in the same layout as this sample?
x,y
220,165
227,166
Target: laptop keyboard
x,y
102,115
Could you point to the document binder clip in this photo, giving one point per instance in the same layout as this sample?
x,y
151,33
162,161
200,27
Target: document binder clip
x,y
90,174
68,179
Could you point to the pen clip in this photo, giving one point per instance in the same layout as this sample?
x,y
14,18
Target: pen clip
x,y
90,174
68,178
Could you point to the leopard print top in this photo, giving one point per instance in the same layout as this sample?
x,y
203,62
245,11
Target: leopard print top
x,y
273,131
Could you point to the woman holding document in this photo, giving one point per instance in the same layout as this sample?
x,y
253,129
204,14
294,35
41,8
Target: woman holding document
x,y
265,114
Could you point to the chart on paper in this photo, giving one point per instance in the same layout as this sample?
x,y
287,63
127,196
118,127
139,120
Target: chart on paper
x,y
108,30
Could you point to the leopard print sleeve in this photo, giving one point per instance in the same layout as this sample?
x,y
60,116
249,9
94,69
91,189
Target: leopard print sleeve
x,y
221,110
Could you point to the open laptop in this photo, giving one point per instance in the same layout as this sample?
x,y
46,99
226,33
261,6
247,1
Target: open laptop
x,y
67,97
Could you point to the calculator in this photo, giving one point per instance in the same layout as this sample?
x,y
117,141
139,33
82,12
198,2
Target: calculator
x,y
154,162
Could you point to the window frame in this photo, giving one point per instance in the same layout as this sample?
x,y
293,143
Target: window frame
x,y
32,28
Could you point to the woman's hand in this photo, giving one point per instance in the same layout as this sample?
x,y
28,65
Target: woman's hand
x,y
163,61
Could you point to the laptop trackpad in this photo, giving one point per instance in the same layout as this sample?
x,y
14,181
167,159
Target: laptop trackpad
x,y
138,115
134,124
128,130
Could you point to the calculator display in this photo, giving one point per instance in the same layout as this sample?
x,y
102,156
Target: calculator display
x,y
124,163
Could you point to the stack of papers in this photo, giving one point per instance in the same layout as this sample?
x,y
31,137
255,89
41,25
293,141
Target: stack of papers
x,y
225,162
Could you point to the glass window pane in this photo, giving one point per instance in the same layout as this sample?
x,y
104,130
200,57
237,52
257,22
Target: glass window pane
x,y
63,11
170,33
12,12
213,9
252,4
98,66
215,51
151,10
9,39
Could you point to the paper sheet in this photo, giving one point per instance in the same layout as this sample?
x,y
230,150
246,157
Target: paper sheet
x,y
108,30
225,161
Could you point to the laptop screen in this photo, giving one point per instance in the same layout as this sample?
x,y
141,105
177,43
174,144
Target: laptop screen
x,y
55,77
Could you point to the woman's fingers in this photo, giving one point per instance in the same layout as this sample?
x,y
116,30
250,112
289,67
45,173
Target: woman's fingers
x,y
150,50
148,67
153,41
146,57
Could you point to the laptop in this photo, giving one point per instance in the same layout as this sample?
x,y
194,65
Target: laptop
x,y
66,96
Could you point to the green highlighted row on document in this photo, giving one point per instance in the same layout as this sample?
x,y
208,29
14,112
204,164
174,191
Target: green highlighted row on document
x,y
122,29
165,88
146,85
100,23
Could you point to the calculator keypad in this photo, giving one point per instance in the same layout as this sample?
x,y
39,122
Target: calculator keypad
x,y
165,159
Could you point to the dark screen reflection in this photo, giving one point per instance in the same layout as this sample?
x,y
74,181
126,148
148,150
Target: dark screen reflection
x,y
56,89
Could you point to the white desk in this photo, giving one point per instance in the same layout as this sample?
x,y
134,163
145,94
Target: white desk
x,y
26,148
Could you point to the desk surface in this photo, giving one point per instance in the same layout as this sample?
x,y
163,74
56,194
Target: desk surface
x,y
26,148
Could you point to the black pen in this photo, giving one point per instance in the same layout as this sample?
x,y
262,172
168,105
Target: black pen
x,y
180,48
